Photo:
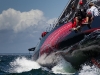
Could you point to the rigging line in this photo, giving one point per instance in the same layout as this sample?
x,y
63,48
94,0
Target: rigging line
x,y
62,12
68,12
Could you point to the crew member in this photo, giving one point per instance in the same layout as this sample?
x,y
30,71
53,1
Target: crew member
x,y
91,13
79,16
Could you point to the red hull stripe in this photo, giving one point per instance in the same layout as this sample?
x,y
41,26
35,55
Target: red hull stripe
x,y
55,37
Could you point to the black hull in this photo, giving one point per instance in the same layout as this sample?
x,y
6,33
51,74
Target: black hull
x,y
71,39
60,38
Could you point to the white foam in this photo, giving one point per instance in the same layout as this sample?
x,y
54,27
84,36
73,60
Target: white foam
x,y
63,67
89,70
22,65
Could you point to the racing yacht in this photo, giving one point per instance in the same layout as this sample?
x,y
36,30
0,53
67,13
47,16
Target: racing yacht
x,y
61,37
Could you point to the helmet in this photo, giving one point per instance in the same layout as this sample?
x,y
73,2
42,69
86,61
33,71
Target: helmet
x,y
80,2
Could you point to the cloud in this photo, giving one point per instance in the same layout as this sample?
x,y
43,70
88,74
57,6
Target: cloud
x,y
31,23
19,21
52,21
28,27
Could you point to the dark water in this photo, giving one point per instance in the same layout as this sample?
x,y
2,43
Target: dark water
x,y
21,64
16,64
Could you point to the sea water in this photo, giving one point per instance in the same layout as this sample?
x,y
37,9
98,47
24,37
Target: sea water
x,y
22,64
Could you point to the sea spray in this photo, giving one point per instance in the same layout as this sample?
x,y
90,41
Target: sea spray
x,y
89,70
48,60
63,67
22,64
56,63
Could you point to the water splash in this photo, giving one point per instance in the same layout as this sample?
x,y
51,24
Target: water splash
x,y
89,70
22,64
63,67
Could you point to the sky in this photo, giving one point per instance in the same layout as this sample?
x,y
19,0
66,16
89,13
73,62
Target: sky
x,y
23,21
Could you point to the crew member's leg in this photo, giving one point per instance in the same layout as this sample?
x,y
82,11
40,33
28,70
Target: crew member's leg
x,y
89,20
78,24
77,21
